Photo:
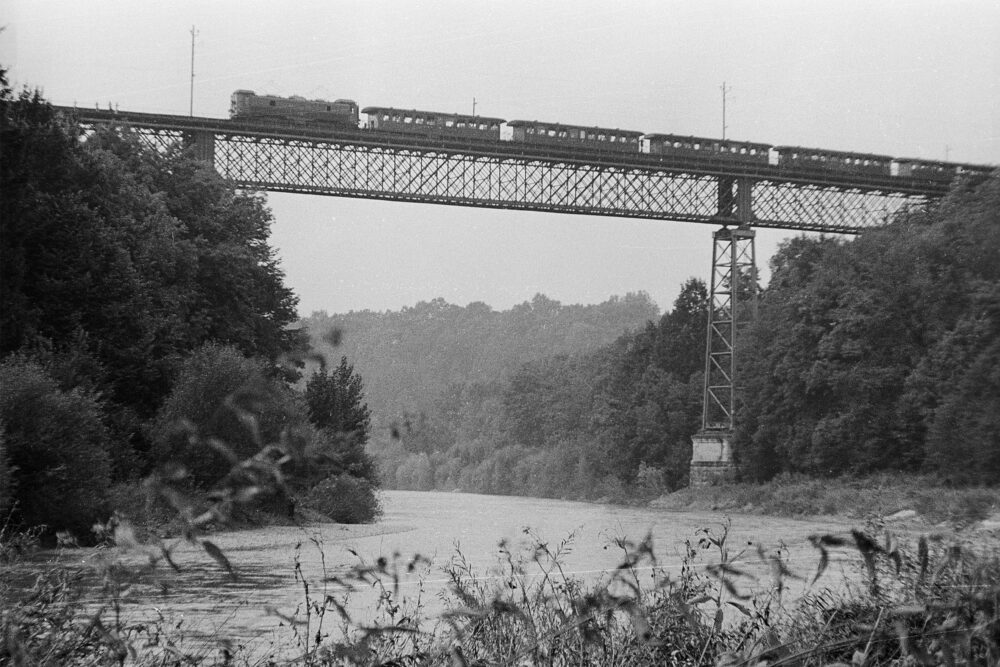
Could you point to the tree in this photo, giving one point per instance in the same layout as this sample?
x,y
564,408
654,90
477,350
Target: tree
x,y
877,354
223,408
335,404
336,401
55,441
143,255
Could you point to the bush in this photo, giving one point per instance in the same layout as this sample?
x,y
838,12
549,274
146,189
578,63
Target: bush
x,y
6,480
345,499
224,407
56,442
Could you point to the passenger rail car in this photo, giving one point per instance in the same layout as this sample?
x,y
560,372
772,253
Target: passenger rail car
x,y
816,159
936,171
557,134
702,147
432,123
245,104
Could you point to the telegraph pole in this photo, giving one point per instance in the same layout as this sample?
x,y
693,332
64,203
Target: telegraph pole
x,y
725,89
191,108
473,106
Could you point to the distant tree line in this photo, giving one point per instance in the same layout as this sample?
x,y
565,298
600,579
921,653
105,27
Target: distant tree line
x,y
144,320
418,352
595,421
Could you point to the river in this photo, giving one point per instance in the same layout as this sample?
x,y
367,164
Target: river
x,y
203,600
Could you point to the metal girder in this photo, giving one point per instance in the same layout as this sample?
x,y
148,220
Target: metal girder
x,y
732,305
506,179
814,208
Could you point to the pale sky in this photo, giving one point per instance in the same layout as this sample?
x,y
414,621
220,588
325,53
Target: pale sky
x,y
909,79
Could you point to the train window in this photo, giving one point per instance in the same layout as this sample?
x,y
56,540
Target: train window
x,y
697,146
601,137
272,103
419,121
591,136
449,123
408,119
551,133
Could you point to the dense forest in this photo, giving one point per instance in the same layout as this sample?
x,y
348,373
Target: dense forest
x,y
415,355
145,334
875,353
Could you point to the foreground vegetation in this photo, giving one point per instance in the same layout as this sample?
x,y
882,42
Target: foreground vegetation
x,y
926,601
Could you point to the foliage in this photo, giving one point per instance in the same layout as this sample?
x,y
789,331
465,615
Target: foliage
x,y
7,488
344,498
413,357
335,401
224,407
880,353
119,260
572,425
923,601
56,442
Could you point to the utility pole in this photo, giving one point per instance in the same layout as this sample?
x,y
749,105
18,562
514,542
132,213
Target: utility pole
x,y
473,106
947,152
725,89
191,108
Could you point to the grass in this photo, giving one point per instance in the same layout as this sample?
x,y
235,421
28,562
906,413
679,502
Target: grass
x,y
858,498
927,601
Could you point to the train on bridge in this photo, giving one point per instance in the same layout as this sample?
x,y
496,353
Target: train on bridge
x,y
343,113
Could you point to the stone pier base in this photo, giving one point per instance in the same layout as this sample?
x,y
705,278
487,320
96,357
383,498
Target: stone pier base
x,y
711,458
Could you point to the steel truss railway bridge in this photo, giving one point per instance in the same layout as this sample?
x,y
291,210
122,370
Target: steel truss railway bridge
x,y
507,175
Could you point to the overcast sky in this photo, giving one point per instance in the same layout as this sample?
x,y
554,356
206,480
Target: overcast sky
x,y
909,79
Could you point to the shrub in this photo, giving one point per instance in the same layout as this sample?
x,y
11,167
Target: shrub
x,y
224,407
345,499
56,443
6,479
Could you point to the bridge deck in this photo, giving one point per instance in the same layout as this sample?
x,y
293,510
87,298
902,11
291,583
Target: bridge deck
x,y
352,162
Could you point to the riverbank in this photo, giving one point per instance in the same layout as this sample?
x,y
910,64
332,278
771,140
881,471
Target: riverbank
x,y
916,501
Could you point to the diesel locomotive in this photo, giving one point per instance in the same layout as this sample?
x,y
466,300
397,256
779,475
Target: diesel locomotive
x,y
343,113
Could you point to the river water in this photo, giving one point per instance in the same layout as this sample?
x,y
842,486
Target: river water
x,y
203,600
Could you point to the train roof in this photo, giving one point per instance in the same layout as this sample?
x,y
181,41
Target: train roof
x,y
824,151
682,137
941,163
417,112
563,126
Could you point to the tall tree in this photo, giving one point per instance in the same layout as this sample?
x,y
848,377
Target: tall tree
x,y
137,255
335,404
335,401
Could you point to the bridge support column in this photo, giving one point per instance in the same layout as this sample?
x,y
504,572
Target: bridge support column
x,y
732,305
